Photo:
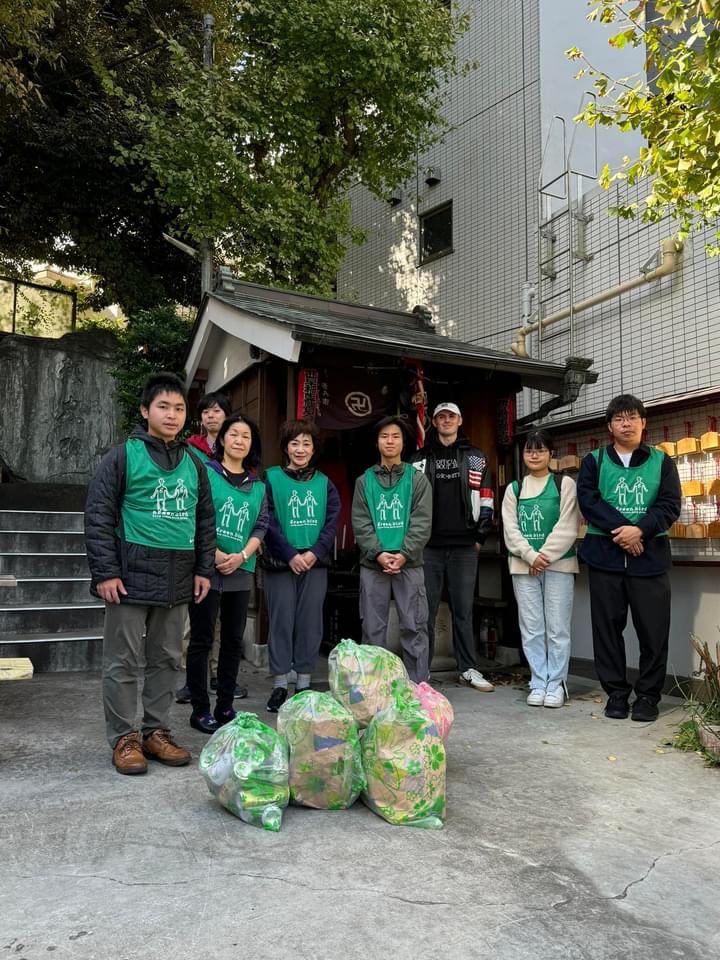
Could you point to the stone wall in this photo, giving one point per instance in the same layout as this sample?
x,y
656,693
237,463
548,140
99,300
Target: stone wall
x,y
57,406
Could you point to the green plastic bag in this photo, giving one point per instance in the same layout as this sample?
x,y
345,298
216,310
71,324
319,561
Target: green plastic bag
x,y
403,756
324,748
365,678
245,765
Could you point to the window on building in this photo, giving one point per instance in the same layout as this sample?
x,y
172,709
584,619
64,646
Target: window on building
x,y
436,229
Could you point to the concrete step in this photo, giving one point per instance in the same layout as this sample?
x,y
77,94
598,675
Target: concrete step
x,y
41,541
40,590
48,565
41,520
49,618
57,652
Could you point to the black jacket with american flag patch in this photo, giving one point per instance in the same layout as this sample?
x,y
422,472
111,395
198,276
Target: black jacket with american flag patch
x,y
474,480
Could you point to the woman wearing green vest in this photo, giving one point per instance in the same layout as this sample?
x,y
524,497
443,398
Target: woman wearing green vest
x,y
303,505
540,522
241,520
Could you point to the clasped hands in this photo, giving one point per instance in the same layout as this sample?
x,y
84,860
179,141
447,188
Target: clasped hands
x,y
302,562
629,538
391,562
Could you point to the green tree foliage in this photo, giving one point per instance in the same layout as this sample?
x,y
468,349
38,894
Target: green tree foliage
x,y
153,340
126,136
677,110
23,27
304,98
63,199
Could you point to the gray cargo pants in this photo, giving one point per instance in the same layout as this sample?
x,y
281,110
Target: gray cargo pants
x,y
407,589
140,640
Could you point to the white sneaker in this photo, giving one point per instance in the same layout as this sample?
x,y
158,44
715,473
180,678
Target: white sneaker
x,y
475,679
536,698
555,698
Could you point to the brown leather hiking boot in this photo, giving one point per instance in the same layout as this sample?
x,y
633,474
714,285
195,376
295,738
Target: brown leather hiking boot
x,y
127,755
160,746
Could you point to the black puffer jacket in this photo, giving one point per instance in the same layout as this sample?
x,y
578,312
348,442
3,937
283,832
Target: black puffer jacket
x,y
157,578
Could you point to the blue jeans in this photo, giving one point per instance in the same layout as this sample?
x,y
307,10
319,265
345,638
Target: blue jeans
x,y
544,610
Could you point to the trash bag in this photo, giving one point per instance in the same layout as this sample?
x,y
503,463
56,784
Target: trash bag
x,y
245,766
438,708
403,757
364,678
324,751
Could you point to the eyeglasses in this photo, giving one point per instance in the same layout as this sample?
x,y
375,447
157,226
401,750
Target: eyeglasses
x,y
626,418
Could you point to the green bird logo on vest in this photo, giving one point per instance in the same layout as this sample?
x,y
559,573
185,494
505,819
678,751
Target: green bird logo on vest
x,y
228,513
162,497
307,505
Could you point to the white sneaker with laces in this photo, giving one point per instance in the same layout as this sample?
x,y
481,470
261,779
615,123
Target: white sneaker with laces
x,y
536,698
555,698
475,679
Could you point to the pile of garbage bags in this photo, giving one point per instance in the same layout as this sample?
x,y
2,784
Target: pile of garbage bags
x,y
377,736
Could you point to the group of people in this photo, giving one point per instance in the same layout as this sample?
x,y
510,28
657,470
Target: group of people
x,y
629,494
174,525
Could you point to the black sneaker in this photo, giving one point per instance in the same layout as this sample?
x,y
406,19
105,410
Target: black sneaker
x,y
277,699
240,692
183,695
213,683
617,706
644,710
204,722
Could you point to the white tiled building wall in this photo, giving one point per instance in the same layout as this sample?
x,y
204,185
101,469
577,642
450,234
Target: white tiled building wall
x,y
488,165
660,340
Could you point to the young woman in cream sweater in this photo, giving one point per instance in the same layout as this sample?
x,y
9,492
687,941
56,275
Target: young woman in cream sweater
x,y
540,521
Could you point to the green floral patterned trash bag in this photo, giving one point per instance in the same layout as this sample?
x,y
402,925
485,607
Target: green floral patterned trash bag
x,y
364,678
403,756
324,747
245,765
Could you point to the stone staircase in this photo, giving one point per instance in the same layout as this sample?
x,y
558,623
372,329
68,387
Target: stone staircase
x,y
49,614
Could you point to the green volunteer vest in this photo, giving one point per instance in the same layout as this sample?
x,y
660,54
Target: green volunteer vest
x,y
235,514
300,506
158,508
631,490
537,516
200,454
389,507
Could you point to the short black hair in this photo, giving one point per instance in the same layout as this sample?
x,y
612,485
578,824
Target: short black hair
x,y
255,451
625,403
539,440
215,399
396,420
293,428
162,382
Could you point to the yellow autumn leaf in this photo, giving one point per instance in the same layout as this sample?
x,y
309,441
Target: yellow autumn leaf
x,y
612,759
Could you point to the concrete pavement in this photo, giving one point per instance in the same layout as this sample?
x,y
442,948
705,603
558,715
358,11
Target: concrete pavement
x,y
568,836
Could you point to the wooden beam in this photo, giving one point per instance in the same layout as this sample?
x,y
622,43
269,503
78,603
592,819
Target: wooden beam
x,y
16,668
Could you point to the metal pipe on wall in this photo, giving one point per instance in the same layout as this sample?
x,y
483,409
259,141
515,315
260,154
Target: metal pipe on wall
x,y
669,250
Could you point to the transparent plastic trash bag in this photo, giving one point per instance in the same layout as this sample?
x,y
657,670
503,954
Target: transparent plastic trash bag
x,y
404,760
245,766
437,706
364,678
324,751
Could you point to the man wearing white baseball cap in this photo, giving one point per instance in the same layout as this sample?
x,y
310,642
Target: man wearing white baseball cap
x,y
462,517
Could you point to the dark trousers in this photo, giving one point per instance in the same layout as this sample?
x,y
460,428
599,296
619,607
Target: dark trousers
x,y
459,565
295,611
232,607
648,598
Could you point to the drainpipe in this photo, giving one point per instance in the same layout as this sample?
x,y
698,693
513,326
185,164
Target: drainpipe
x,y
669,250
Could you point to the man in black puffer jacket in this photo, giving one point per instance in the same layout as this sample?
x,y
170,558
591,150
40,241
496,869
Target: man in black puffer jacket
x,y
150,536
